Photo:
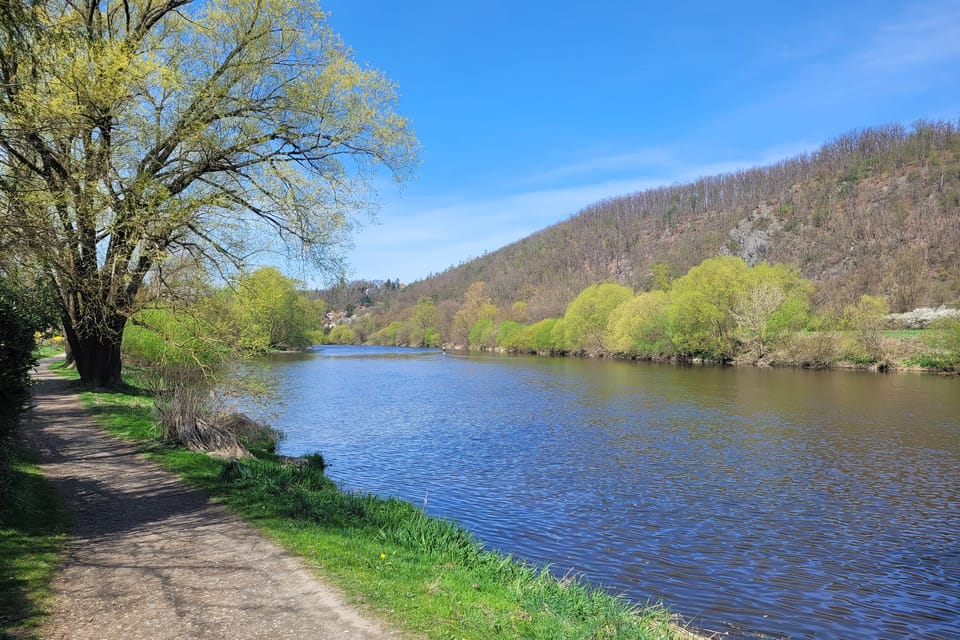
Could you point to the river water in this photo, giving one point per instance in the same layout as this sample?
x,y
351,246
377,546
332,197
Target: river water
x,y
809,504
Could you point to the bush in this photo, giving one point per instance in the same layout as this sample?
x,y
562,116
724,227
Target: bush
x,y
640,326
164,337
702,308
16,341
558,340
191,416
483,334
810,349
507,332
17,326
587,317
775,304
542,335
388,335
342,334
868,318
432,338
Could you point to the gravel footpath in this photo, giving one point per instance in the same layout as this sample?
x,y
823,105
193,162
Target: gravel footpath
x,y
151,558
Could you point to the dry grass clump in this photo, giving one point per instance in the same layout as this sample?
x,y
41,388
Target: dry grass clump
x,y
191,415
810,349
903,348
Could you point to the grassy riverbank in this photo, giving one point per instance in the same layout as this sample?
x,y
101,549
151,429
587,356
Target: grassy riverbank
x,y
425,575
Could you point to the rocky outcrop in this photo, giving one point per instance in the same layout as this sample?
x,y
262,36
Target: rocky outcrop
x,y
750,239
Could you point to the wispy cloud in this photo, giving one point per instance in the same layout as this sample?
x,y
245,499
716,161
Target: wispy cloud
x,y
903,56
902,66
928,35
646,161
412,241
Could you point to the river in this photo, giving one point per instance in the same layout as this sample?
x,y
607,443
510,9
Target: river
x,y
781,502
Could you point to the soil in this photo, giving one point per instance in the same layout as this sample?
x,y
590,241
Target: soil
x,y
151,558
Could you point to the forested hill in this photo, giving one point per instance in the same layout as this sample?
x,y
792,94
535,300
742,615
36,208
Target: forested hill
x,y
875,211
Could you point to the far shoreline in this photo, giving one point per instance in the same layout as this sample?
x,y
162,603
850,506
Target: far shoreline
x,y
888,364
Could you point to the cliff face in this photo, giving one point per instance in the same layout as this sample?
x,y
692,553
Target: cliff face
x,y
876,211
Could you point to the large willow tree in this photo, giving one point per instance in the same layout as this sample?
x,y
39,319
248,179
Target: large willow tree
x,y
134,131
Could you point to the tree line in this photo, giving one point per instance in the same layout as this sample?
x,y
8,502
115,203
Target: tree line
x,y
720,310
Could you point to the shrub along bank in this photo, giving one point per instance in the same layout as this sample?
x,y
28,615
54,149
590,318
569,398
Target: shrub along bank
x,y
721,310
424,574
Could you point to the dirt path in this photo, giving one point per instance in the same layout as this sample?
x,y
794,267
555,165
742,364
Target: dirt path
x,y
151,558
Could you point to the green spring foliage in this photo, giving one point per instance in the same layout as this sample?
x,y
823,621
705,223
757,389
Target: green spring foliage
x,y
342,334
640,326
586,318
18,322
265,312
420,330
31,526
167,337
262,311
719,310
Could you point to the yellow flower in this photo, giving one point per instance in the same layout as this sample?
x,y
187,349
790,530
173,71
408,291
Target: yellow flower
x,y
383,556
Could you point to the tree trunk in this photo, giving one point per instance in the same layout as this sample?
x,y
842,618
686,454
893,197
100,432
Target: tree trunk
x,y
68,354
97,352
99,361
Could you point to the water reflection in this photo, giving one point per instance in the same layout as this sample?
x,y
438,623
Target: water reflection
x,y
803,503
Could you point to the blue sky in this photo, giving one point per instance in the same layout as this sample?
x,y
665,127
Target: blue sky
x,y
529,111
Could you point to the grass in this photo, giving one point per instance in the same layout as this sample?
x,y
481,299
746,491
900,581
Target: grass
x,y
899,349
905,333
47,350
32,536
933,362
425,575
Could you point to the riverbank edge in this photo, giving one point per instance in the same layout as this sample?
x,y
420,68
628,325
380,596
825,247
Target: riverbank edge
x,y
423,589
901,355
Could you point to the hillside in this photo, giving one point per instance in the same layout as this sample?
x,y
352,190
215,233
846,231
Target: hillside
x,y
875,211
